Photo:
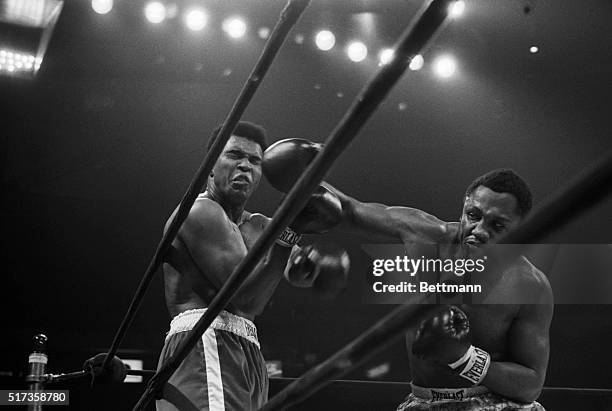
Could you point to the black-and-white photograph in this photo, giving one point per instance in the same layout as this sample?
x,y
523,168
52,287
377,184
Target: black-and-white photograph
x,y
241,205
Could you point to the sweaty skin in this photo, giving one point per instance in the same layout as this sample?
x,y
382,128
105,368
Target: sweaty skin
x,y
216,236
515,335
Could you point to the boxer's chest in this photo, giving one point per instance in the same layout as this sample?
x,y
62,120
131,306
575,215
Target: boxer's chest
x,y
490,325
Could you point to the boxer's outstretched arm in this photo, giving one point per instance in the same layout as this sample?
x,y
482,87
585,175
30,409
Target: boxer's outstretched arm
x,y
390,223
523,378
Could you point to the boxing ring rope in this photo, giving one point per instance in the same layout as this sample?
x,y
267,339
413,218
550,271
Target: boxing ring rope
x,y
289,16
412,41
587,188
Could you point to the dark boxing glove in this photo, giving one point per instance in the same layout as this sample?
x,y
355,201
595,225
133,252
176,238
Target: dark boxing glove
x,y
322,212
324,269
285,161
115,372
444,338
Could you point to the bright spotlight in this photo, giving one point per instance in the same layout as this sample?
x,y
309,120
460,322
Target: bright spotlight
x,y
102,6
416,63
155,12
456,8
534,49
385,56
357,51
325,40
196,19
234,27
445,66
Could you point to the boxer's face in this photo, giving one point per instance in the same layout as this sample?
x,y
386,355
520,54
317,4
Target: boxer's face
x,y
487,215
238,170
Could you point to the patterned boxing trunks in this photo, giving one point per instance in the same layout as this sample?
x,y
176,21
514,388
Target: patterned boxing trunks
x,y
461,399
225,370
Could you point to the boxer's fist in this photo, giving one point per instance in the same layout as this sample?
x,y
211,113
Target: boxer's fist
x,y
324,269
115,372
333,273
444,337
322,212
285,161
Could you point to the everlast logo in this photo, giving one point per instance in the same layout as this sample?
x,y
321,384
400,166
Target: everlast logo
x,y
477,369
443,395
251,330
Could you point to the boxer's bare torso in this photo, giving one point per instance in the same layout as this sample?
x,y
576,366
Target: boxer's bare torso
x,y
496,323
188,287
510,320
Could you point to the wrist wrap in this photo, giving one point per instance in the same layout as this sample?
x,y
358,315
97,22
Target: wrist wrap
x,y
476,364
288,238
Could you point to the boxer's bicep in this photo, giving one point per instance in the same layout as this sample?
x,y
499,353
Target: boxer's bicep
x,y
529,338
215,247
416,226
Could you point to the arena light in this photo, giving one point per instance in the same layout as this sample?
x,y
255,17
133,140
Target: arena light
x,y
16,63
235,27
325,40
456,9
155,12
357,51
416,63
445,66
534,49
28,13
26,27
196,19
102,6
385,56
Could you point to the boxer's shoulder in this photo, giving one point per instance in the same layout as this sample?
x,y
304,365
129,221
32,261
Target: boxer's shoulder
x,y
530,281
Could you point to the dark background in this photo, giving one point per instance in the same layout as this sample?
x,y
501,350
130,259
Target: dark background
x,y
100,147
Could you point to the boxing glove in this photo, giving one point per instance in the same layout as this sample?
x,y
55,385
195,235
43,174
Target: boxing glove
x,y
324,269
115,372
285,161
444,338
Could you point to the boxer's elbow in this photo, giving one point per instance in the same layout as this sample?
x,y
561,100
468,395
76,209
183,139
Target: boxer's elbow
x,y
529,395
532,390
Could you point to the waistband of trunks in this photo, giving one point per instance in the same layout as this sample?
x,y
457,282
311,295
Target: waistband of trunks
x,y
225,321
447,394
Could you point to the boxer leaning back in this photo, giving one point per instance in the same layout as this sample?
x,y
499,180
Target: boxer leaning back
x,y
226,370
487,356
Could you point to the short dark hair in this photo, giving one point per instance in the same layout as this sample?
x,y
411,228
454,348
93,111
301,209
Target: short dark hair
x,y
505,180
245,129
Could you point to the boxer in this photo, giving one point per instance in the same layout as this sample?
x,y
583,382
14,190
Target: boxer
x,y
487,356
226,369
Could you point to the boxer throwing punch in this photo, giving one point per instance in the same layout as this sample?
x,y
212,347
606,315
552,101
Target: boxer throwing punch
x,y
226,370
487,356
